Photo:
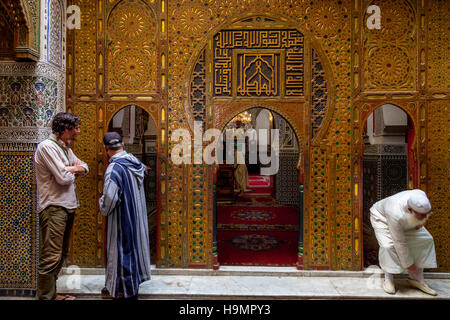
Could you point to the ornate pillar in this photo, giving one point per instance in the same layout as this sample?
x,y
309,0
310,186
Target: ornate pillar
x,y
31,93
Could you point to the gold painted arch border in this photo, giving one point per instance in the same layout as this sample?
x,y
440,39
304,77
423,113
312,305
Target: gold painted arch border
x,y
278,22
361,112
274,108
151,108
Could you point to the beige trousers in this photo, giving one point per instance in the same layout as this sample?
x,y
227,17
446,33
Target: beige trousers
x,y
55,226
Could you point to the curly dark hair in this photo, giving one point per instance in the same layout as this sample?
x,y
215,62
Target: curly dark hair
x,y
63,121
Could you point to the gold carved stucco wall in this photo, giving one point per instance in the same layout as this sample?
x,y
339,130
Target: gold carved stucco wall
x,y
113,60
328,25
403,63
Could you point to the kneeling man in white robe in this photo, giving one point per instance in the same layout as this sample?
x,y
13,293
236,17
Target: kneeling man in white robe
x,y
404,242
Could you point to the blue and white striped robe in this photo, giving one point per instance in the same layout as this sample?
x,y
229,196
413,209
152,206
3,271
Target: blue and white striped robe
x,y
123,202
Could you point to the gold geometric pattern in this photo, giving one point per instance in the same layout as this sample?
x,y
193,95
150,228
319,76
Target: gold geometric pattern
x,y
131,67
439,177
324,19
389,55
199,239
258,74
131,34
233,48
438,40
318,248
338,58
192,19
385,62
319,105
84,71
389,67
397,20
88,234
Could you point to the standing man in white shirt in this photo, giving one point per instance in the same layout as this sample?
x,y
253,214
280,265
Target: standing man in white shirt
x,y
404,242
57,168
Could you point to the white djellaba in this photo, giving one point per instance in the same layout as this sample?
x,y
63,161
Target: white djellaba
x,y
402,238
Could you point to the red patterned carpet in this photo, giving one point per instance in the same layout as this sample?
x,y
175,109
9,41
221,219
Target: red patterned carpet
x,y
255,200
257,235
259,180
261,215
259,184
264,248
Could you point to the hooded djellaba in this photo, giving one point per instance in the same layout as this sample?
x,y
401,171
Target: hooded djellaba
x,y
123,203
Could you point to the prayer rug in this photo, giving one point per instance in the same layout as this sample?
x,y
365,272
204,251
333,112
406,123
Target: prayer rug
x,y
259,184
262,248
257,235
257,215
261,200
259,180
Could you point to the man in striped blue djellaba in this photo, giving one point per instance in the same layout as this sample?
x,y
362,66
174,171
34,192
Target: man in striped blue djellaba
x,y
123,203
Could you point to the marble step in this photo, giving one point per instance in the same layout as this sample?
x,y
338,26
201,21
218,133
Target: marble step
x,y
256,271
194,287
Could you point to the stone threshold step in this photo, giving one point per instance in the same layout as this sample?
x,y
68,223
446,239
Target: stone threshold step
x,y
177,296
255,271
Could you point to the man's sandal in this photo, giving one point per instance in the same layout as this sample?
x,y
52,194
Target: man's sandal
x,y
422,286
66,297
389,287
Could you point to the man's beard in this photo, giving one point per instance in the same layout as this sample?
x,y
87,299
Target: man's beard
x,y
412,222
71,140
69,143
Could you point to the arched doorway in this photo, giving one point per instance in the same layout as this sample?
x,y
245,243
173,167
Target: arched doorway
x,y
260,223
139,133
285,71
388,160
